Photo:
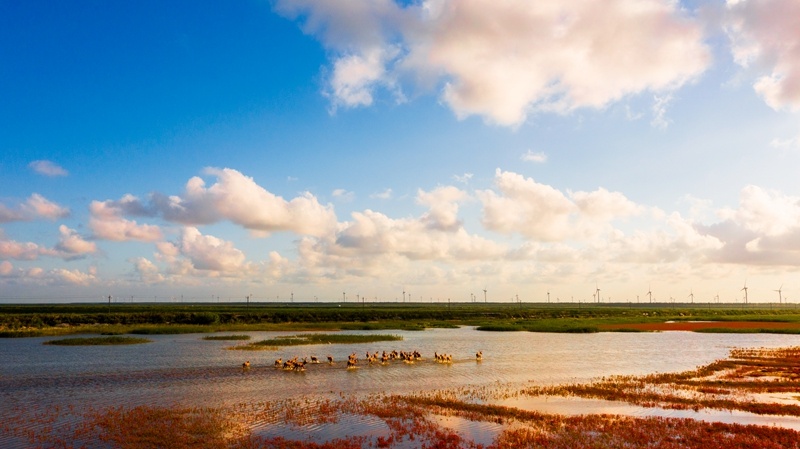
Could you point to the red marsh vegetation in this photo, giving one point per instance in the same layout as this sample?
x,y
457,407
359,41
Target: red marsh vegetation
x,y
736,383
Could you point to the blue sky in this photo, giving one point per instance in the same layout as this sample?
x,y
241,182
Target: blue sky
x,y
224,149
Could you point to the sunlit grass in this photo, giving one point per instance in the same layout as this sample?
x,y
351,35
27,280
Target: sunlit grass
x,y
98,341
564,325
151,319
226,337
321,339
171,329
253,347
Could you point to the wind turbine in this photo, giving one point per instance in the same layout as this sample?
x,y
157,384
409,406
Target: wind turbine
x,y
649,293
404,294
484,294
745,291
597,289
548,296
780,296
691,295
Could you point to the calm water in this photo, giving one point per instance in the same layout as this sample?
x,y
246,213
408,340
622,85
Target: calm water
x,y
186,370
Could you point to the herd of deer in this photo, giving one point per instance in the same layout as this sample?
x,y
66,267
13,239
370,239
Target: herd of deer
x,y
294,364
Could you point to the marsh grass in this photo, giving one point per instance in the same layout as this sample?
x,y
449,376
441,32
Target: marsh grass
x,y
226,337
171,329
152,319
98,341
563,325
500,327
398,325
253,347
23,333
323,339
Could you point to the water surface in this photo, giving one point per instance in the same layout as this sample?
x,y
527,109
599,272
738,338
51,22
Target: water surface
x,y
187,370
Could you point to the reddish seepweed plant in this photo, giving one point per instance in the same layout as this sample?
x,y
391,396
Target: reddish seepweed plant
x,y
723,385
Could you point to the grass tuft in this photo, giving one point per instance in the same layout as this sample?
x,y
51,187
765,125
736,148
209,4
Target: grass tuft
x,y
226,337
323,339
98,341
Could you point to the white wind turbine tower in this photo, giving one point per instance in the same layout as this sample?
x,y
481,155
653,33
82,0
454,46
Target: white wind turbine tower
x,y
649,293
597,290
484,294
691,295
745,291
780,296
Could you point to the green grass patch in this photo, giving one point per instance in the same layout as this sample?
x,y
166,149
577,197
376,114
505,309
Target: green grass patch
x,y
562,325
500,328
59,320
226,337
564,328
22,334
324,339
98,341
253,347
171,330
394,324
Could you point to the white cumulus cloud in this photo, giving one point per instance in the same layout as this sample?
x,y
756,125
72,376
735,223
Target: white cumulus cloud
x,y
47,168
72,244
107,223
10,249
537,157
765,35
527,207
35,207
241,200
504,60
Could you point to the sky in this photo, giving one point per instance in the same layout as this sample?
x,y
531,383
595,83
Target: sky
x,y
381,150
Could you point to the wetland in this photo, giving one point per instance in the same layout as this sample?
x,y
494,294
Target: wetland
x,y
530,389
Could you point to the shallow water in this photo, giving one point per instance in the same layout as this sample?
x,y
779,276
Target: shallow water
x,y
583,406
187,370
